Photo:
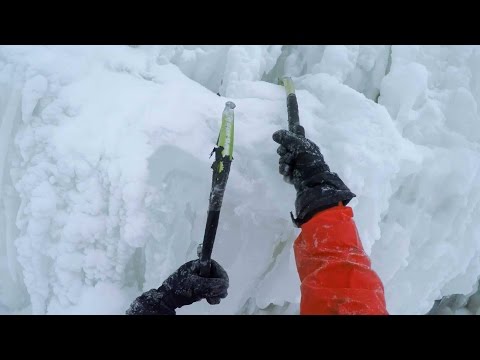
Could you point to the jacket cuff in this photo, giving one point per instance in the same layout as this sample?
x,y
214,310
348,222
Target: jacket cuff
x,y
311,201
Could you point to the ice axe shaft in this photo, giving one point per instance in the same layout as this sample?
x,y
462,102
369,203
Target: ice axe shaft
x,y
292,104
221,169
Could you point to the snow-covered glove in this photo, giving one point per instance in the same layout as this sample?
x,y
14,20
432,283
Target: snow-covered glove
x,y
184,287
301,164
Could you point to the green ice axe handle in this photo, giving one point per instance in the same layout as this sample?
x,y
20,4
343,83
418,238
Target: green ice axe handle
x,y
221,170
292,104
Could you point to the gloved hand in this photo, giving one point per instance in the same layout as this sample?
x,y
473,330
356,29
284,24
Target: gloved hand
x,y
184,287
301,164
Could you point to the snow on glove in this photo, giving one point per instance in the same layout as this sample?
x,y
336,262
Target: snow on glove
x,y
184,287
302,164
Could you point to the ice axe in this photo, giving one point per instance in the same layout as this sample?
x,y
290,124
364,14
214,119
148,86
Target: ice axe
x,y
292,106
221,169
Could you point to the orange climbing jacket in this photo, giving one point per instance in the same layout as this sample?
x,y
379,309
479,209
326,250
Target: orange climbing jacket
x,y
335,273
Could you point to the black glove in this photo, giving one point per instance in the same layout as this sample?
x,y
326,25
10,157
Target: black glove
x,y
302,164
184,287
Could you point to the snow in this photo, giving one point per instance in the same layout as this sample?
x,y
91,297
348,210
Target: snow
x,y
105,170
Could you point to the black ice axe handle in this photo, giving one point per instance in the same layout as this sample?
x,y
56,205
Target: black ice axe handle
x,y
292,104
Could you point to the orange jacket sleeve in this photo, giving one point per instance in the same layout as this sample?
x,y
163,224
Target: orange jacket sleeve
x,y
335,273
